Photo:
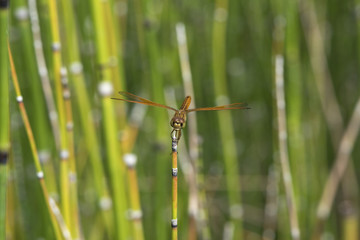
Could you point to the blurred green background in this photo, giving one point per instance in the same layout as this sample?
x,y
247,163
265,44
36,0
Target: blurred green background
x,y
240,175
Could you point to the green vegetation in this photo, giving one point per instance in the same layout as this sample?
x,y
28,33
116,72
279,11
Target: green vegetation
x,y
285,169
4,112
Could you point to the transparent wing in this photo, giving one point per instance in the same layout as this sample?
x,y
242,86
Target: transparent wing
x,y
218,108
136,99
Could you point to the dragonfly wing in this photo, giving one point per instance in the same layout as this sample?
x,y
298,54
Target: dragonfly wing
x,y
136,99
224,107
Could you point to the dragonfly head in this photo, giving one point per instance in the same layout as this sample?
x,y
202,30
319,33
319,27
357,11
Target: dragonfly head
x,y
178,122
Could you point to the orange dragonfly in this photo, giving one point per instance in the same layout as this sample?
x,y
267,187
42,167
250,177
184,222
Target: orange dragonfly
x,y
178,121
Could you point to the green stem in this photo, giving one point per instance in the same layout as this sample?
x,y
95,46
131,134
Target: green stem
x,y
4,112
116,166
39,171
225,121
174,154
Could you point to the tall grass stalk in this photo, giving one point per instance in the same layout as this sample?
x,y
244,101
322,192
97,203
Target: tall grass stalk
x,y
114,39
35,104
82,101
193,209
38,46
225,122
105,86
175,137
136,212
62,95
38,117
282,121
4,112
127,143
295,102
56,225
72,173
197,197
149,26
283,150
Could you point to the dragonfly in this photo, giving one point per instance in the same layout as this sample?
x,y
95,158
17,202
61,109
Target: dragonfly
x,y
178,121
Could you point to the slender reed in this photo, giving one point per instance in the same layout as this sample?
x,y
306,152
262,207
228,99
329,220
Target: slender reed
x,y
43,72
61,95
299,154
49,110
154,54
115,53
135,213
193,138
110,127
226,127
72,175
54,216
197,200
4,112
175,137
127,143
83,105
28,69
282,136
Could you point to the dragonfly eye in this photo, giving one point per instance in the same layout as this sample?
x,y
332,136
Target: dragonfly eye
x,y
181,124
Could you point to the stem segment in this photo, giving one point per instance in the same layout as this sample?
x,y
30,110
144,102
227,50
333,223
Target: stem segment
x,y
175,136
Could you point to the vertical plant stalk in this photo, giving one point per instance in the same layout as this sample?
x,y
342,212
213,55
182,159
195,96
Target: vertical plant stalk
x,y
282,136
43,72
40,91
72,175
34,93
233,182
64,154
154,56
197,200
105,88
135,213
299,154
4,111
83,102
127,144
193,138
54,216
152,45
175,136
116,53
